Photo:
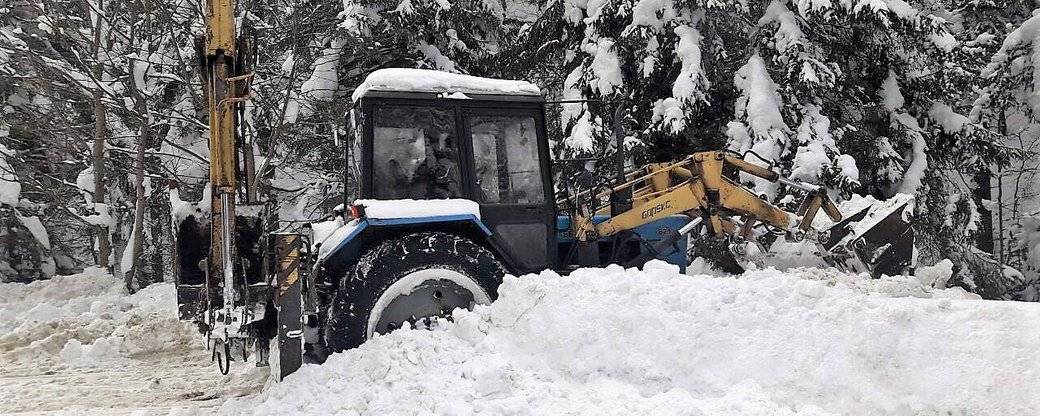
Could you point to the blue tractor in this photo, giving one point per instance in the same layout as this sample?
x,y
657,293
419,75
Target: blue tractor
x,y
455,188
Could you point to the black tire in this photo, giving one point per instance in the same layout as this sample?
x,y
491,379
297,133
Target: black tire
x,y
387,263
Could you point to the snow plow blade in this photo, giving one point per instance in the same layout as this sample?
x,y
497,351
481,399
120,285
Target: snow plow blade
x,y
878,240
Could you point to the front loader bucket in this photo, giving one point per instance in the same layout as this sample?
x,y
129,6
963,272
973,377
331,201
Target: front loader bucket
x,y
878,240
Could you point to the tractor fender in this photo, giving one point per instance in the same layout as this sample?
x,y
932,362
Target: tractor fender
x,y
343,247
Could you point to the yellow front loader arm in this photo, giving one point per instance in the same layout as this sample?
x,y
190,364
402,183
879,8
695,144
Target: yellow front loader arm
x,y
697,187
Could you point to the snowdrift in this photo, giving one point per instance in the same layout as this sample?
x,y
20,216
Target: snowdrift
x,y
80,345
622,342
87,320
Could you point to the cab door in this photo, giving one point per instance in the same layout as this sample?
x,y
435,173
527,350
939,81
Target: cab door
x,y
510,179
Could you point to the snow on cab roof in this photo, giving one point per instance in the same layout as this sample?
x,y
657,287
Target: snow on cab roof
x,y
425,80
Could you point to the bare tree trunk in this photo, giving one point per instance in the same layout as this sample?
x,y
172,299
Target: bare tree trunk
x,y
137,244
1002,126
104,242
982,194
133,277
1002,253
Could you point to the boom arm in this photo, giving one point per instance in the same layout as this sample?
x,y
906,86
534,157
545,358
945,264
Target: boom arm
x,y
220,60
695,186
226,81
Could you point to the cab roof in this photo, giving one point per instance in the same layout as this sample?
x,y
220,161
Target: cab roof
x,y
441,83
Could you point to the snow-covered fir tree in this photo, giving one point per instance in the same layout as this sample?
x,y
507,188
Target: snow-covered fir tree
x,y
1007,103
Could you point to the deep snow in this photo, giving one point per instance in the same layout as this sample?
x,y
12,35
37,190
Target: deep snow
x,y
607,341
617,342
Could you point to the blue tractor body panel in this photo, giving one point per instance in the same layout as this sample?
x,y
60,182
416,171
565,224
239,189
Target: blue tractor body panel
x,y
468,219
651,233
348,249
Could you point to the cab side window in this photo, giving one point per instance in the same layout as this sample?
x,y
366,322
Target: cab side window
x,y
415,153
506,159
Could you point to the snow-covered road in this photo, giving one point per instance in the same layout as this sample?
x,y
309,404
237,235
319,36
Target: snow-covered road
x,y
600,341
79,345
182,382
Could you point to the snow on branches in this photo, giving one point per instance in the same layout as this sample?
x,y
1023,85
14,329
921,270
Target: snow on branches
x,y
758,106
679,67
1019,59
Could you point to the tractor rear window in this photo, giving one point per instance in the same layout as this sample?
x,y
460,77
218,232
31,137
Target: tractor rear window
x,y
506,159
414,153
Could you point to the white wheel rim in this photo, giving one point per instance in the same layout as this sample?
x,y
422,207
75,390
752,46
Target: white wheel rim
x,y
413,280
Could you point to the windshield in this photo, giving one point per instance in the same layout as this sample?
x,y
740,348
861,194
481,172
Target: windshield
x,y
415,153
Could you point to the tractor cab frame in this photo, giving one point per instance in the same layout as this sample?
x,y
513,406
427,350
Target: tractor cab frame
x,y
490,149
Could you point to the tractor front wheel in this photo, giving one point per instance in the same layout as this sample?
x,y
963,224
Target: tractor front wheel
x,y
415,280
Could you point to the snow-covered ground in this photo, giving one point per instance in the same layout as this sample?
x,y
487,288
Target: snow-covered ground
x,y
81,345
617,342
600,341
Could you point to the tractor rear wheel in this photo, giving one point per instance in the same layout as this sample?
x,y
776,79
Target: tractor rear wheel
x,y
415,280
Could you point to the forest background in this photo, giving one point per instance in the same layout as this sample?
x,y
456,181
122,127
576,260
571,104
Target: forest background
x,y
103,130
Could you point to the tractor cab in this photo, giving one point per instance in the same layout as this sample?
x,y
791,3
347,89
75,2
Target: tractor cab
x,y
429,135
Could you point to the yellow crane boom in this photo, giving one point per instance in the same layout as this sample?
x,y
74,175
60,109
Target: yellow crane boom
x,y
696,186
220,61
226,83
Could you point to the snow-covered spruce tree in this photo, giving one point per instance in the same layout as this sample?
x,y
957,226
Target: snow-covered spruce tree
x,y
978,27
647,58
1008,103
23,253
964,152
794,82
